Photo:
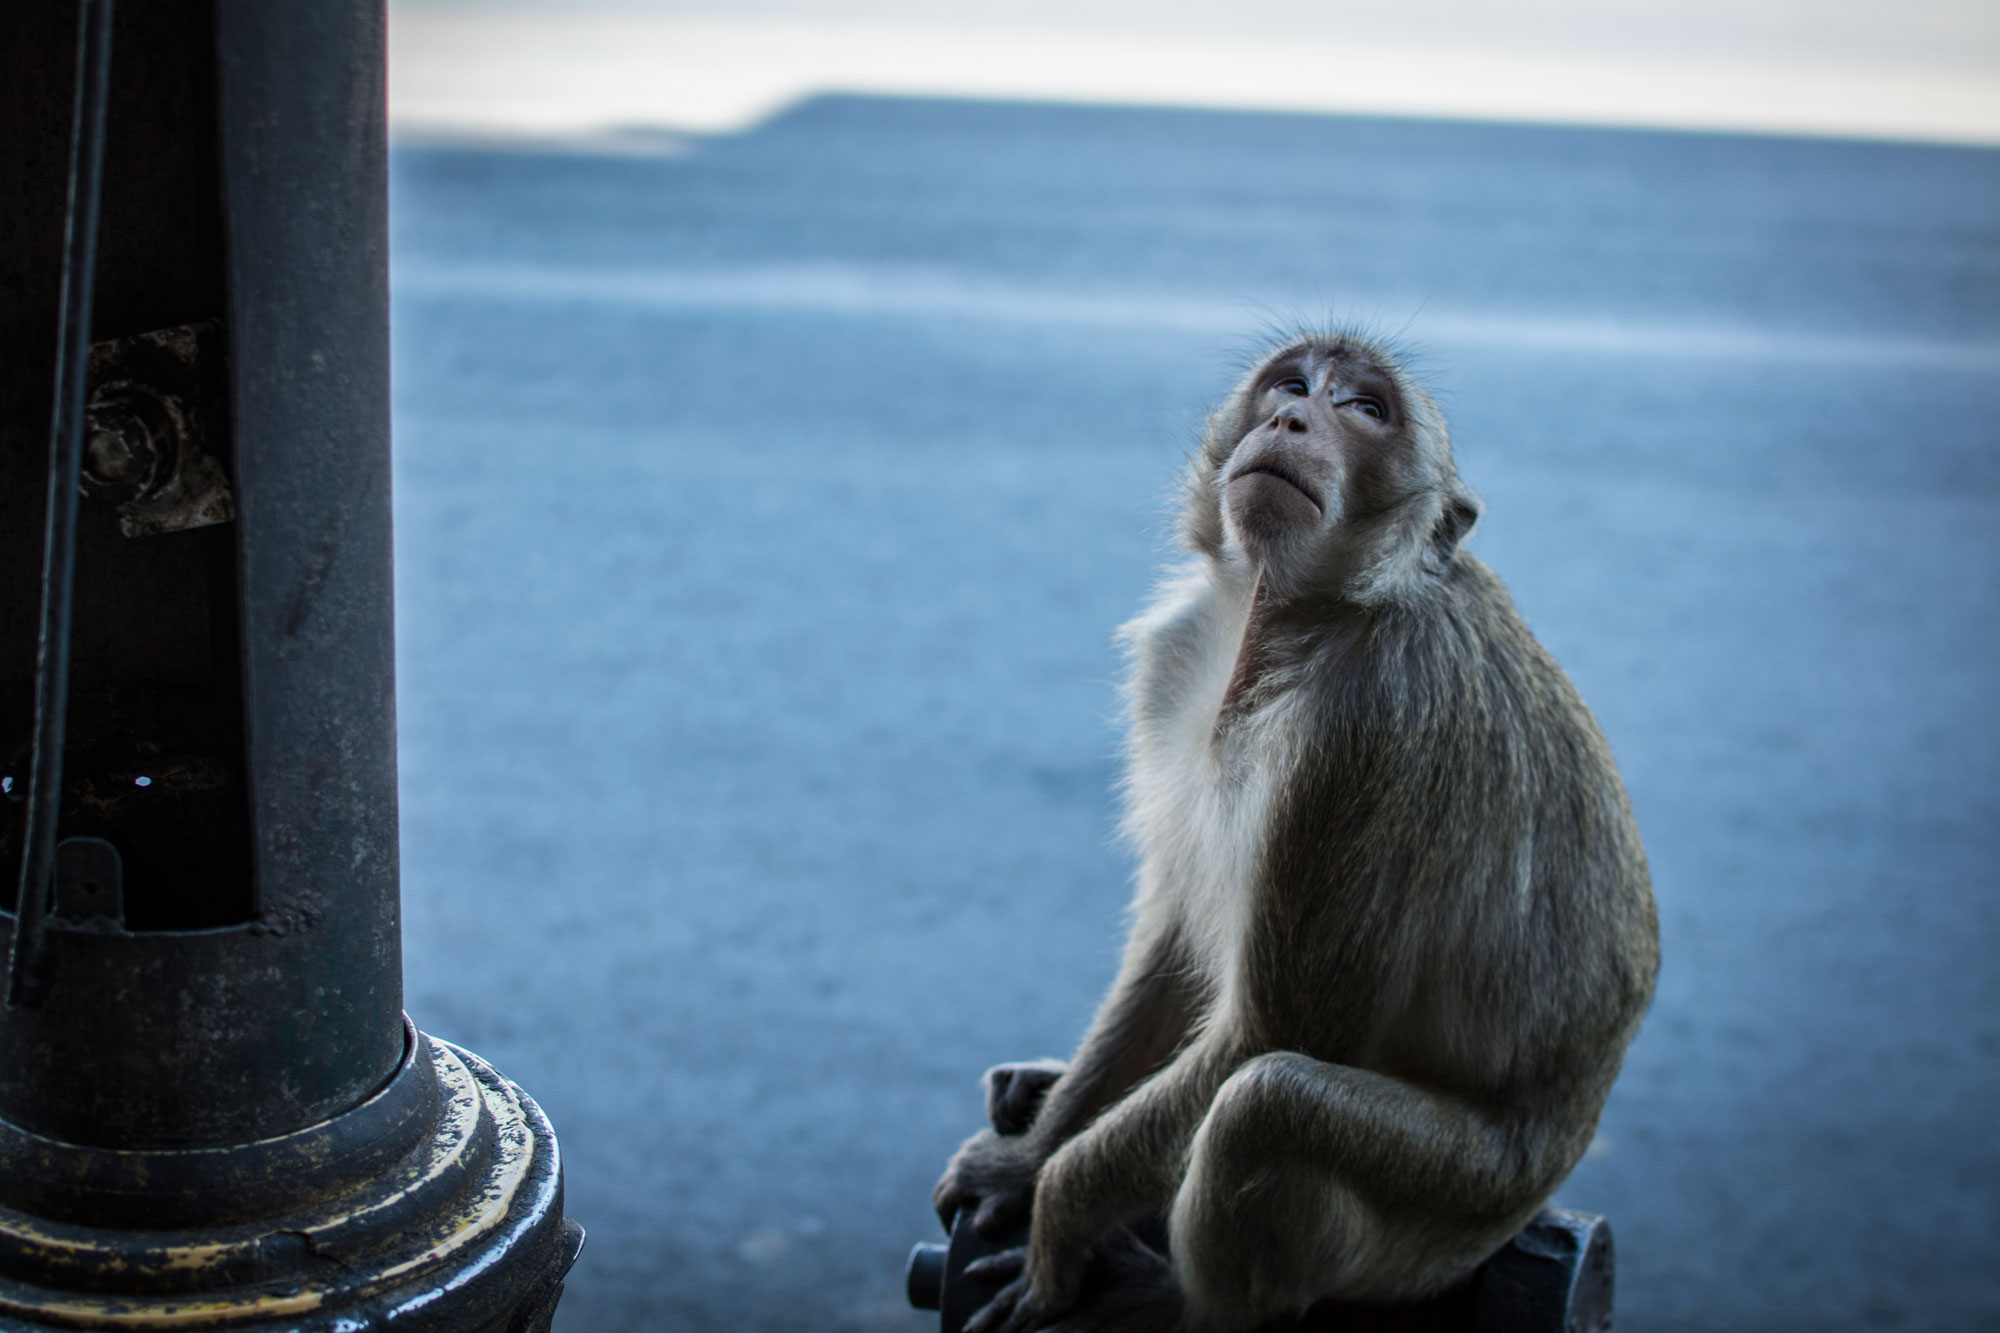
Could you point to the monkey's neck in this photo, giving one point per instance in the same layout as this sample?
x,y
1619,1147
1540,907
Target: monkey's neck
x,y
1253,659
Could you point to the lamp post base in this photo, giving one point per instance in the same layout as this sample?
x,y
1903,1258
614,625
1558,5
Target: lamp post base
x,y
460,1231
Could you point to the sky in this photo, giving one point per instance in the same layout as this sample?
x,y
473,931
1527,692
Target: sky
x,y
1922,70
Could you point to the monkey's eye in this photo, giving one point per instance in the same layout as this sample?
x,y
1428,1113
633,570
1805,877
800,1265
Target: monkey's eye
x,y
1369,406
1294,385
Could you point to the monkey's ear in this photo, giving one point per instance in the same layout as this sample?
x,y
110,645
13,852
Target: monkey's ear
x,y
1460,513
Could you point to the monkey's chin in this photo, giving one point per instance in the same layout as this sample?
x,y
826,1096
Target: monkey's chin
x,y
1269,516
1272,497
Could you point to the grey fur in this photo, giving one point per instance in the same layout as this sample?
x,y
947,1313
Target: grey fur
x,y
1393,928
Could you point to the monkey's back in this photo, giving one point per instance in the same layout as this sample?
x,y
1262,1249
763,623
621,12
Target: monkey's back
x,y
1447,884
1458,860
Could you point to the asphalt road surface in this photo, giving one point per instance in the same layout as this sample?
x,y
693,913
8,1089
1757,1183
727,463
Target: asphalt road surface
x,y
765,508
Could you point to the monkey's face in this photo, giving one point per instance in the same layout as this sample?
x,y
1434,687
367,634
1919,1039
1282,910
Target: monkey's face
x,y
1329,472
1325,429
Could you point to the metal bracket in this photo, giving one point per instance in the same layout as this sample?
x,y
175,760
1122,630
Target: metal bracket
x,y
151,429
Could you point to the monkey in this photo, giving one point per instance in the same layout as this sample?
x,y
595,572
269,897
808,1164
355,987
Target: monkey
x,y
1392,927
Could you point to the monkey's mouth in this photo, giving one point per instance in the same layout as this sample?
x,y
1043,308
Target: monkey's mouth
x,y
1277,472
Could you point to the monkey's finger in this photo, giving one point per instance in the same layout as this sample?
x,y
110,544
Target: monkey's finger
x,y
1000,1213
1007,1264
948,1198
998,1313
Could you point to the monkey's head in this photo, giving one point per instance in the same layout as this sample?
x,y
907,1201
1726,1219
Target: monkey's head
x,y
1329,472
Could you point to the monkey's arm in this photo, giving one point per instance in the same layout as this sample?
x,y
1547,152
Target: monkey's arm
x,y
1125,1164
1146,1016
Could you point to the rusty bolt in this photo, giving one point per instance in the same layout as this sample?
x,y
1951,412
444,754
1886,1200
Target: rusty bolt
x,y
130,444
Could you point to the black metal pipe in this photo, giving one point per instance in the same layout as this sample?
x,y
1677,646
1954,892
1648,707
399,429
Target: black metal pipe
x,y
27,978
219,1116
263,1019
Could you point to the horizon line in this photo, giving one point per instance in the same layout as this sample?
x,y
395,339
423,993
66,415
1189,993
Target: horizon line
x,y
534,77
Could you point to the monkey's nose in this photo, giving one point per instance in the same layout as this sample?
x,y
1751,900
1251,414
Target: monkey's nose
x,y
1290,420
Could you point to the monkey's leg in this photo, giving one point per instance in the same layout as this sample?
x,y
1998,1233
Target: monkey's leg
x,y
1309,1180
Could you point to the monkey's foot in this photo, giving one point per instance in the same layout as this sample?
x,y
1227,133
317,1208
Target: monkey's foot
x,y
1015,1308
1128,1288
1014,1092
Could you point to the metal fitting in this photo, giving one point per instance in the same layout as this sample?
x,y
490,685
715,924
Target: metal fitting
x,y
131,444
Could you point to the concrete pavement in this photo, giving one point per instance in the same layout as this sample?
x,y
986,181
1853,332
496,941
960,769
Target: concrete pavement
x,y
765,505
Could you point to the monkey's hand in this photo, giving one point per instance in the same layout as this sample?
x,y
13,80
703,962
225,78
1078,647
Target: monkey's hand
x,y
995,1174
1038,1281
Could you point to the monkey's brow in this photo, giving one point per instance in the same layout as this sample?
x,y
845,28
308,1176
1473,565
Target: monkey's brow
x,y
1292,363
1359,372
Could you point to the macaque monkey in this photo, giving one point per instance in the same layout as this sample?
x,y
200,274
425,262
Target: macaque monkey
x,y
1392,927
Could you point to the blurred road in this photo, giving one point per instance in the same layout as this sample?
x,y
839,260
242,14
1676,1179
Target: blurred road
x,y
765,507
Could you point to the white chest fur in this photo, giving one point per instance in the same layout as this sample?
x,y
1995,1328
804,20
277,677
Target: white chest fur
x,y
1199,797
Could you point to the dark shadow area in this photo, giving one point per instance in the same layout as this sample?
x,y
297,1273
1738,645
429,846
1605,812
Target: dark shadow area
x,y
155,754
